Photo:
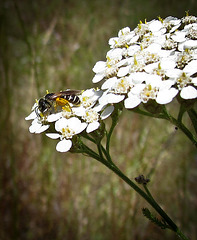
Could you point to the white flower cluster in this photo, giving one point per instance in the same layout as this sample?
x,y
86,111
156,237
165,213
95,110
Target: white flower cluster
x,y
157,60
71,120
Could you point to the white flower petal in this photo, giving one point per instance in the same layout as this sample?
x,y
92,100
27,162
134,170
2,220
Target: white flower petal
x,y
133,49
124,31
167,84
112,41
61,123
74,123
99,66
34,106
190,44
188,93
150,67
173,73
191,67
167,63
114,98
34,127
194,81
99,107
107,112
98,77
31,116
103,100
153,80
53,135
139,77
153,48
110,98
64,145
92,93
166,96
42,128
37,127
109,83
79,111
115,53
54,117
132,101
124,62
88,93
136,89
123,71
92,126
134,39
155,25
179,36
83,125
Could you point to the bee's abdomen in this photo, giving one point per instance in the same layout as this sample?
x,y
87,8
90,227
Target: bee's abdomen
x,y
72,98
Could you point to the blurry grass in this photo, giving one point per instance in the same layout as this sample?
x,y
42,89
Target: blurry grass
x,y
47,195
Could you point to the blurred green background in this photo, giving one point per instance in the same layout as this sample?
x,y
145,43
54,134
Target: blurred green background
x,y
48,195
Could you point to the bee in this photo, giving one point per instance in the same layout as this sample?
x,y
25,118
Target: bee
x,y
51,101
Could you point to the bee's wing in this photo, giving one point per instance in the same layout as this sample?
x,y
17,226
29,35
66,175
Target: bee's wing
x,y
70,92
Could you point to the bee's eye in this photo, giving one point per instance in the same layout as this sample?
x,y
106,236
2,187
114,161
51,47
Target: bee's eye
x,y
43,105
41,101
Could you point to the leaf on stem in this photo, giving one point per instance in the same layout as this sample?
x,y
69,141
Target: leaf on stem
x,y
161,223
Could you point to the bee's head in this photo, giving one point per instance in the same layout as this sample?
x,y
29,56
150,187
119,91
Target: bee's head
x,y
43,105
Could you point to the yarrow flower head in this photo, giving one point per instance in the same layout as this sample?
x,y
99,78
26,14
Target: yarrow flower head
x,y
148,66
155,61
70,113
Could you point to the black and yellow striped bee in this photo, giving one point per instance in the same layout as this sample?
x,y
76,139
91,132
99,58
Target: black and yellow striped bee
x,y
51,101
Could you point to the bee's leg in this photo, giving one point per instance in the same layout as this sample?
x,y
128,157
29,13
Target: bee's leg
x,y
67,107
61,102
64,104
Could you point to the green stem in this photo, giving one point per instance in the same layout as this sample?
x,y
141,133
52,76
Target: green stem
x,y
116,170
148,192
165,115
178,232
193,116
115,116
114,122
181,112
147,114
108,157
100,150
181,126
148,197
88,138
145,194
85,149
181,235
